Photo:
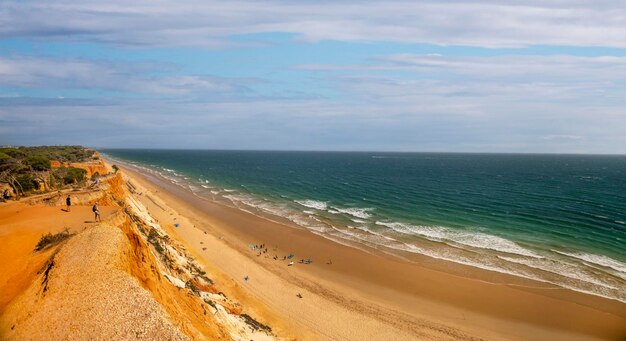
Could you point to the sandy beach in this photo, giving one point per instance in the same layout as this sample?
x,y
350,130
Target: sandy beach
x,y
350,294
197,269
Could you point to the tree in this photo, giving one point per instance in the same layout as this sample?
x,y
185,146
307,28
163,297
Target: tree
x,y
7,177
38,163
27,182
14,153
74,175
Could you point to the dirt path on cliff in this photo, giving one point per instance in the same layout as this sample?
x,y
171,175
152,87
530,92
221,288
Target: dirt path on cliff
x,y
87,293
21,227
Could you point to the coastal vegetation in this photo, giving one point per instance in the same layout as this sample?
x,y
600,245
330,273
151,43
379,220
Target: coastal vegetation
x,y
42,168
49,239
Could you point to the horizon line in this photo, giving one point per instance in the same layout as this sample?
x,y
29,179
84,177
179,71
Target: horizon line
x,y
318,150
354,151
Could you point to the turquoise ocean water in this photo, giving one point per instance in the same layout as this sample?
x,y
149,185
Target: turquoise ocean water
x,y
555,218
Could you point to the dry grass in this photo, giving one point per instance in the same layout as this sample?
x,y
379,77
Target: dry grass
x,y
50,239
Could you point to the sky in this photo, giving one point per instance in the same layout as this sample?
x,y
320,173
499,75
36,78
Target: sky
x,y
441,76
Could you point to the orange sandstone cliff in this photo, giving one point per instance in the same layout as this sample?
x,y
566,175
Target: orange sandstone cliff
x,y
122,278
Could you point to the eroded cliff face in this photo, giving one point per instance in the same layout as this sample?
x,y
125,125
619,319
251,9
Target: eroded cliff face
x,y
96,166
123,278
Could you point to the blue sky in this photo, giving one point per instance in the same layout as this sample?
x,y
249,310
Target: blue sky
x,y
466,76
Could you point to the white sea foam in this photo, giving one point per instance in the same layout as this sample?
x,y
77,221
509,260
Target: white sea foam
x,y
333,212
368,231
596,259
205,186
306,223
359,221
369,238
215,192
232,198
559,268
318,205
455,237
355,212
602,290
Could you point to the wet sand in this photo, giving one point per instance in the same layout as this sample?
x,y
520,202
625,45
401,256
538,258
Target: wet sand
x,y
365,293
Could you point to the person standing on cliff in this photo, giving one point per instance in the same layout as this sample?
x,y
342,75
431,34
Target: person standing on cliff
x,y
68,203
96,212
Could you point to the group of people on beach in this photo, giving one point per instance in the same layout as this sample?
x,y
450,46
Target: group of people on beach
x,y
94,208
262,249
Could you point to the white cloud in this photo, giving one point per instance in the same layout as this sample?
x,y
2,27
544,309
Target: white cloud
x,y
207,23
503,104
590,81
544,67
129,77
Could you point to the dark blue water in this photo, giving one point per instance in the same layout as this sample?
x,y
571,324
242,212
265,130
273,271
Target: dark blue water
x,y
556,218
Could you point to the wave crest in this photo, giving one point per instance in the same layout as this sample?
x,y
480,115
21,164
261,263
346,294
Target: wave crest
x,y
472,239
318,205
355,211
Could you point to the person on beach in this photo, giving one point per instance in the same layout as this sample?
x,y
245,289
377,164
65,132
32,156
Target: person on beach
x,y
68,203
96,212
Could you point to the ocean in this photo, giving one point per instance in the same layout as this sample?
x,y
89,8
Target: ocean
x,y
558,219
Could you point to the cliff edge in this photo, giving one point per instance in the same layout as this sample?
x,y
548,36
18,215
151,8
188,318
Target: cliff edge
x,y
122,278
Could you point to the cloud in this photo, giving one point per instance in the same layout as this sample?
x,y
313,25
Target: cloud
x,y
471,82
208,24
562,66
24,72
417,120
396,102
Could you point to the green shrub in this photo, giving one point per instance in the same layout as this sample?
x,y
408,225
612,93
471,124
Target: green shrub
x,y
74,175
38,163
27,182
8,163
14,153
59,153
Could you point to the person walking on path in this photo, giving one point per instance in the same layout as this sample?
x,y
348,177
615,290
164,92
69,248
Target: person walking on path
x,y
68,203
96,212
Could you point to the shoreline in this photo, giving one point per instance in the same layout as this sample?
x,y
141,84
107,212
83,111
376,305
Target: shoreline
x,y
551,262
386,289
